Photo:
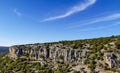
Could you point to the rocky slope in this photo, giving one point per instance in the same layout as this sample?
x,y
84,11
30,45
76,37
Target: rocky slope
x,y
90,55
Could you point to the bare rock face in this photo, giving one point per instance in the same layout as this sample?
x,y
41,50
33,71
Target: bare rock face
x,y
58,53
111,60
88,56
15,52
47,52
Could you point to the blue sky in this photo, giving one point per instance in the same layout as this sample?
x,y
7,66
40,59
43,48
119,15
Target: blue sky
x,y
38,21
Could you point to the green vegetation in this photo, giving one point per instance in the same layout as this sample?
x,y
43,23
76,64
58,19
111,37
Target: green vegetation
x,y
118,43
22,65
76,71
97,47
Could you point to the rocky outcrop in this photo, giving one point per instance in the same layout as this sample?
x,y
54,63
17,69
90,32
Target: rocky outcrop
x,y
55,52
15,52
111,60
58,53
89,56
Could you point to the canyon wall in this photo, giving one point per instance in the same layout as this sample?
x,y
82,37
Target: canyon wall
x,y
54,52
66,54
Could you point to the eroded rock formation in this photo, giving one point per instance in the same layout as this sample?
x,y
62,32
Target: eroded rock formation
x,y
56,52
111,60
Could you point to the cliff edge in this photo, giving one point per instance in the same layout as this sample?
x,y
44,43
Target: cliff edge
x,y
97,54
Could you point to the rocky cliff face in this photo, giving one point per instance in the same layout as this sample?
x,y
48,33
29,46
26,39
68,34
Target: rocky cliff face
x,y
111,60
94,54
55,53
58,53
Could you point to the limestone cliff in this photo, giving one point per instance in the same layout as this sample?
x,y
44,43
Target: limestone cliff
x,y
54,52
98,53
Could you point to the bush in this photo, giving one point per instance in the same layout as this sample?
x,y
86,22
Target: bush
x,y
76,71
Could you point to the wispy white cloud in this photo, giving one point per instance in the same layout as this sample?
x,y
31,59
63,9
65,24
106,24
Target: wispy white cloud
x,y
73,10
18,13
98,20
100,27
107,18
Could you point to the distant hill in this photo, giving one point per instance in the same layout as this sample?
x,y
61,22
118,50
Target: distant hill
x,y
4,49
97,55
